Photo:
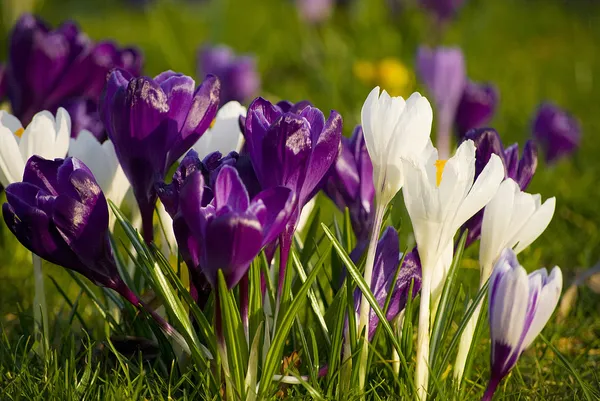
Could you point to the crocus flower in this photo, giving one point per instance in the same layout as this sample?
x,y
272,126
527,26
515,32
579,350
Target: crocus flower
x,y
520,305
442,10
350,185
151,123
46,68
440,196
239,79
387,258
45,136
315,11
59,213
102,161
513,219
488,142
442,70
476,108
85,116
232,230
558,132
294,149
225,134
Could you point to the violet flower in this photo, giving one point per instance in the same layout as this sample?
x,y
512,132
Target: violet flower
x,y
239,78
349,184
59,213
84,116
443,71
231,231
387,258
314,11
294,149
152,122
558,132
476,108
520,305
488,142
3,83
442,10
46,68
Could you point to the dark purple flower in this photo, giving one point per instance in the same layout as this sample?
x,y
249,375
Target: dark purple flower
x,y
3,83
487,141
294,149
46,67
239,79
231,231
442,10
152,122
59,213
443,71
349,184
476,108
84,116
387,258
557,131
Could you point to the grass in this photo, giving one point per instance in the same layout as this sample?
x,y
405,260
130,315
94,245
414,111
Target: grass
x,y
532,50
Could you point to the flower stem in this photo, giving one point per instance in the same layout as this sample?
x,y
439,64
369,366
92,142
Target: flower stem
x,y
363,318
490,390
244,299
422,372
40,309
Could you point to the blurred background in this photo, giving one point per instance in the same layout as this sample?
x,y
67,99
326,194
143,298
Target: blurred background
x,y
334,52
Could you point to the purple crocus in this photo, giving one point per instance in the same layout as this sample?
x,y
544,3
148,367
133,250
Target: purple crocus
x,y
488,142
59,213
47,68
349,184
294,149
557,131
84,116
387,258
239,78
443,71
476,108
232,230
442,10
152,123
520,305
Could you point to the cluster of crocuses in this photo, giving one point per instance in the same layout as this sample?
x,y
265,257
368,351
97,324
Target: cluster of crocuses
x,y
244,177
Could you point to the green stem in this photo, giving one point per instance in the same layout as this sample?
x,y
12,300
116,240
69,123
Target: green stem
x,y
40,309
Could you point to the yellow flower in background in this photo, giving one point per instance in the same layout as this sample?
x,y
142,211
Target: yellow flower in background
x,y
389,73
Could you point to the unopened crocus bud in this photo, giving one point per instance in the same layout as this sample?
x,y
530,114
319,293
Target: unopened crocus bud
x,y
476,108
520,305
239,78
557,131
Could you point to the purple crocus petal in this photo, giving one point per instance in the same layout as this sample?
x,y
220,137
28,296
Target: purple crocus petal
x,y
190,203
273,208
215,58
84,116
246,171
3,82
234,241
558,132
442,10
527,165
288,144
487,142
261,114
230,192
511,159
43,174
476,108
343,184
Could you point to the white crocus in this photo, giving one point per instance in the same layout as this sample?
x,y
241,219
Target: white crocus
x,y
513,219
46,136
102,161
394,129
440,196
225,134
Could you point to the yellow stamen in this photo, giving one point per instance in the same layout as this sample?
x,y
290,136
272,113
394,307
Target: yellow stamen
x,y
19,132
212,124
439,166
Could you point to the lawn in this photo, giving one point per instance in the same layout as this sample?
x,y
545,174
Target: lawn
x,y
532,50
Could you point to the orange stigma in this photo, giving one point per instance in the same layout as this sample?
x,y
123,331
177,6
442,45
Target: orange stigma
x,y
439,170
19,132
212,124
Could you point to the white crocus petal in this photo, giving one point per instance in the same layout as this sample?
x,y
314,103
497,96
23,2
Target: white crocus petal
x,y
102,161
547,299
225,134
394,130
509,294
535,226
11,161
45,136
